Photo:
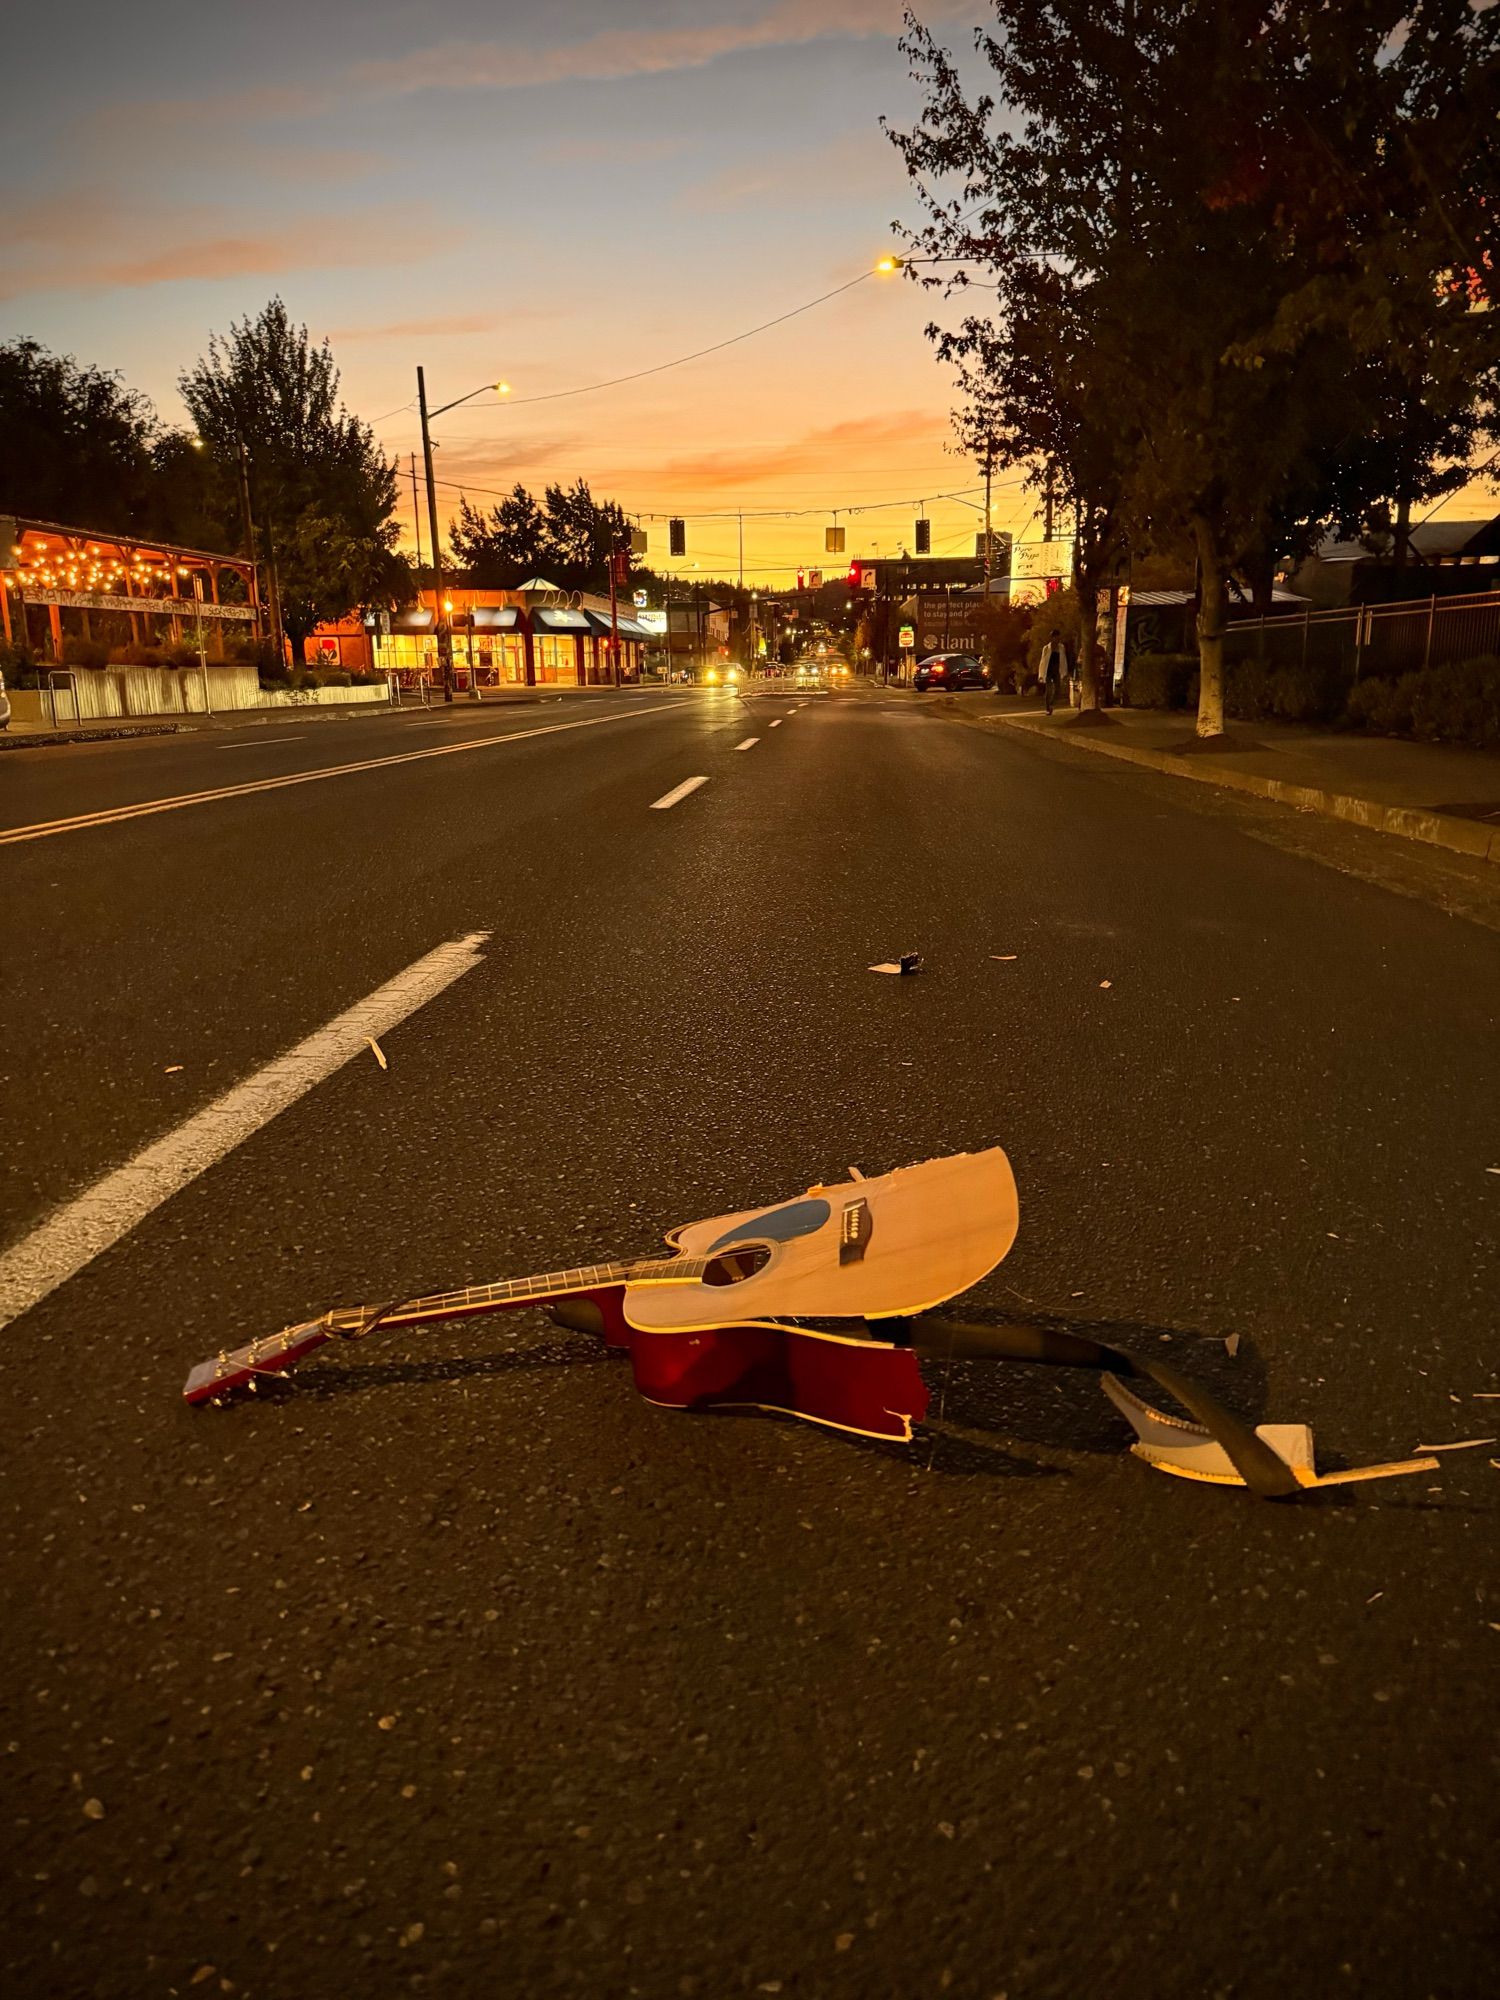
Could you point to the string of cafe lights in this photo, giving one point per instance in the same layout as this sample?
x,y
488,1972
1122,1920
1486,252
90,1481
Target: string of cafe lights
x,y
74,569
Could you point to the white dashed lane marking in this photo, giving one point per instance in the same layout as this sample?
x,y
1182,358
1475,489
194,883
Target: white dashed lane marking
x,y
748,744
778,722
677,794
83,1229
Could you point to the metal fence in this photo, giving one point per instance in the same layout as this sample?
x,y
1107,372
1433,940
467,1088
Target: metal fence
x,y
1385,639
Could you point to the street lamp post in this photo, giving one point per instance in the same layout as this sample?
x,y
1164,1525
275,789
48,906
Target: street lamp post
x,y
443,627
439,589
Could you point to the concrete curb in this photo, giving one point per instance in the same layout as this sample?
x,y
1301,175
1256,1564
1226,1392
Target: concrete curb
x,y
1458,836
47,739
235,718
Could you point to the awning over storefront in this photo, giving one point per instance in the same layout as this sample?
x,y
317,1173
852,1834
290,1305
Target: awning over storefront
x,y
546,618
629,627
413,621
496,617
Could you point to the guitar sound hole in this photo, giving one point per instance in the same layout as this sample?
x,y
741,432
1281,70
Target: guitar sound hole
x,y
732,1267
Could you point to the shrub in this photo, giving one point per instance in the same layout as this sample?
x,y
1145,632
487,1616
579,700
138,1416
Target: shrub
x,y
260,654
182,655
361,680
84,653
339,678
16,660
137,655
1162,680
1456,703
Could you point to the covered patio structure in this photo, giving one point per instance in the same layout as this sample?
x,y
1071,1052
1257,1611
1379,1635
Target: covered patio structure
x,y
119,591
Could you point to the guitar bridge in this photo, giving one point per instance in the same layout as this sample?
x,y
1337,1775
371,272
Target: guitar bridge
x,y
855,1231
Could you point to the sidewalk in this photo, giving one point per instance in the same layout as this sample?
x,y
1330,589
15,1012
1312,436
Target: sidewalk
x,y
24,735
1433,792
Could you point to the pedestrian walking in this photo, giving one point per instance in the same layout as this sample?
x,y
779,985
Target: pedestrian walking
x,y
1052,667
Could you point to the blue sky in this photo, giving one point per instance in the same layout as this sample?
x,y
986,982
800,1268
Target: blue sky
x,y
551,194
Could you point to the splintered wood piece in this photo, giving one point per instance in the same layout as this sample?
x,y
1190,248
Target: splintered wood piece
x,y
1172,1444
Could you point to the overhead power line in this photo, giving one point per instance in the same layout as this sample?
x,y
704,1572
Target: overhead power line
x,y
658,368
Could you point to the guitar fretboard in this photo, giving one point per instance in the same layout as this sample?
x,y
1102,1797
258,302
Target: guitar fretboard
x,y
486,1298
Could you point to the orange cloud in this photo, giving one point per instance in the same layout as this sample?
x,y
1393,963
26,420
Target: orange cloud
x,y
82,243
629,52
823,450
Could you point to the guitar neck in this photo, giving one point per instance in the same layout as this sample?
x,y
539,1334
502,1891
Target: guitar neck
x,y
476,1299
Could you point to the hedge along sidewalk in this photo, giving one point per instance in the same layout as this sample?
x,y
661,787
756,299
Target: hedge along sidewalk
x,y
1432,792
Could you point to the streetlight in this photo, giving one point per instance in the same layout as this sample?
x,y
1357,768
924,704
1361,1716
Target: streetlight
x,y
444,630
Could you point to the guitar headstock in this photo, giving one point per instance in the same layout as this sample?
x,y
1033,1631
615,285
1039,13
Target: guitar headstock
x,y
237,1370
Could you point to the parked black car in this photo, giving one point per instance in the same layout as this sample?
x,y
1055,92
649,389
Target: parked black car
x,y
950,670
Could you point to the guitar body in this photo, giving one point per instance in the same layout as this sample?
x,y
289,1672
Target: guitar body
x,y
883,1248
865,1386
706,1327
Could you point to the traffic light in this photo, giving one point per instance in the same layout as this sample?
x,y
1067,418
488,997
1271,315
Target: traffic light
x,y
677,538
924,537
802,579
833,541
638,542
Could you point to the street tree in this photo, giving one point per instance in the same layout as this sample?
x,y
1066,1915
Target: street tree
x,y
1196,219
75,443
1041,215
502,546
324,493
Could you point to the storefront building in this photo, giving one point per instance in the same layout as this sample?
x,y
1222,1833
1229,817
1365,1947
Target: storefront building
x,y
537,636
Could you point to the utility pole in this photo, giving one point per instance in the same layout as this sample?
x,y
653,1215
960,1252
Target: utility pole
x,y
273,586
1047,506
250,539
616,563
988,468
416,512
440,613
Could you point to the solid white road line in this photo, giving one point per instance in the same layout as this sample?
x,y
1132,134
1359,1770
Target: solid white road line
x,y
748,744
677,792
263,743
11,834
80,1231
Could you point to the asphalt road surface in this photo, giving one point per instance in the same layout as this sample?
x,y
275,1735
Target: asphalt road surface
x,y
457,1669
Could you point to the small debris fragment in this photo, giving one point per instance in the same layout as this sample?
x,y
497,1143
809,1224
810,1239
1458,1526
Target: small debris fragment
x,y
1371,1600
844,1941
379,1051
93,1809
171,1069
1105,984
909,962
1004,957
1232,1345
203,1972
1492,1170
1464,1444
386,1722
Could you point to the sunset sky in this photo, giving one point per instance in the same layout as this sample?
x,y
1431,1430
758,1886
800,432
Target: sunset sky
x,y
495,188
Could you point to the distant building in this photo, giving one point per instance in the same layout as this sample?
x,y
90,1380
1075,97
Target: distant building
x,y
536,636
1444,559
